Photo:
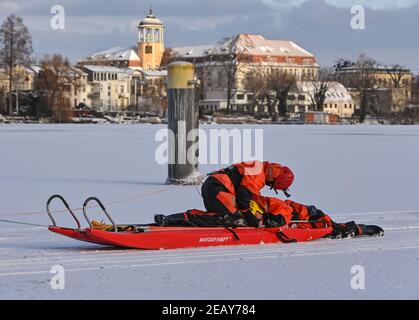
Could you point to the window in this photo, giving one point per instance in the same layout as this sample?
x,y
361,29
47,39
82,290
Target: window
x,y
240,96
122,89
148,49
301,97
291,97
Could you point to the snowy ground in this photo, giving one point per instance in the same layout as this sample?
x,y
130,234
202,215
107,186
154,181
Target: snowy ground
x,y
369,174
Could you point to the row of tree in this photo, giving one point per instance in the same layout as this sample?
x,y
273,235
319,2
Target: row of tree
x,y
272,89
53,82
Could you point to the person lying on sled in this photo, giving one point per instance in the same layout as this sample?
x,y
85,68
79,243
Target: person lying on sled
x,y
232,198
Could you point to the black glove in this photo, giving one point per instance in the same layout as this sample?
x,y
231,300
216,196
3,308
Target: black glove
x,y
229,219
273,221
251,220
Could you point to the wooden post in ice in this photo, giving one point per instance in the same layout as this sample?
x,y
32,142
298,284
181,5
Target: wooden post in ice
x,y
182,124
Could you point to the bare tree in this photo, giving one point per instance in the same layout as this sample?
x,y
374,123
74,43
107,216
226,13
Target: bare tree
x,y
396,73
358,74
15,47
169,55
255,84
281,82
154,93
233,60
56,80
320,88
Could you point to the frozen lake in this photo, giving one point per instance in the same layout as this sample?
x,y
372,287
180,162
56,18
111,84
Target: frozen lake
x,y
368,174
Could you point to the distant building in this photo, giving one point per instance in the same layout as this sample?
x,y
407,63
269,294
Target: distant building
x,y
261,54
150,42
122,78
338,100
80,91
146,54
116,57
391,87
111,88
23,79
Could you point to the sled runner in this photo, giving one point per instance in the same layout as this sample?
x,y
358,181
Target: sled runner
x,y
153,237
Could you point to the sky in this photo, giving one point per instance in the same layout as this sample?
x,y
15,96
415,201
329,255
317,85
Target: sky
x,y
322,27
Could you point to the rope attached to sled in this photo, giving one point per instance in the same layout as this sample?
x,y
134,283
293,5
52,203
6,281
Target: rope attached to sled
x,y
24,223
200,178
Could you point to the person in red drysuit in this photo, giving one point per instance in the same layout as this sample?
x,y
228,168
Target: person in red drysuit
x,y
229,193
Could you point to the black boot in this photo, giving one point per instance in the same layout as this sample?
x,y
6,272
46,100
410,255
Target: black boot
x,y
344,230
372,231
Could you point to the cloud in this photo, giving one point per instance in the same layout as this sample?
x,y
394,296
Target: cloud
x,y
283,4
201,24
320,26
374,4
8,7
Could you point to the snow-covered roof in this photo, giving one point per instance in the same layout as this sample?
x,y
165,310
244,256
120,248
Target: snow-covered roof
x,y
80,71
115,54
376,68
36,68
108,69
247,43
151,20
336,91
258,45
155,73
194,51
27,70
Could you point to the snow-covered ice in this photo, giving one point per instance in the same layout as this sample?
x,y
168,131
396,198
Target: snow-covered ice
x,y
369,174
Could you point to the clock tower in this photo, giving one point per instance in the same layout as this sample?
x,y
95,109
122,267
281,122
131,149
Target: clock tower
x,y
150,42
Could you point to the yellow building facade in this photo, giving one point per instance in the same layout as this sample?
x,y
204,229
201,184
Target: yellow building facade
x,y
150,42
390,87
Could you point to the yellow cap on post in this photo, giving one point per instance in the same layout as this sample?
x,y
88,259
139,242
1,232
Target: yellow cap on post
x,y
180,75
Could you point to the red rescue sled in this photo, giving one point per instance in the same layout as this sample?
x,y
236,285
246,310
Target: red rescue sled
x,y
154,237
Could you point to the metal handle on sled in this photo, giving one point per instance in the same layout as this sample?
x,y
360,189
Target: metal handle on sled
x,y
57,196
103,209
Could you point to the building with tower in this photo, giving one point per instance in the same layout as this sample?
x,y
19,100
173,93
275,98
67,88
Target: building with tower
x,y
150,42
127,77
146,54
